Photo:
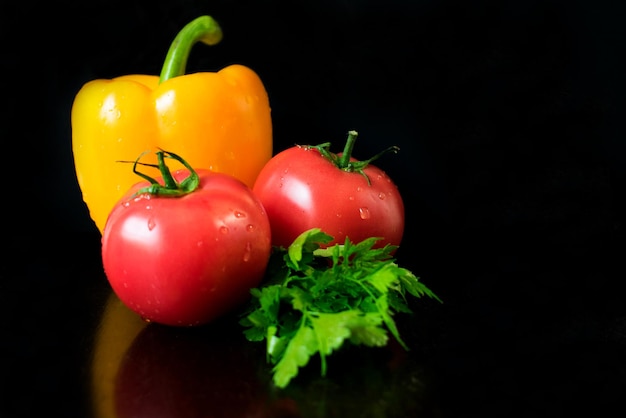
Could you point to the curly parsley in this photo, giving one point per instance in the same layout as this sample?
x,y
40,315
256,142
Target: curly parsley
x,y
315,299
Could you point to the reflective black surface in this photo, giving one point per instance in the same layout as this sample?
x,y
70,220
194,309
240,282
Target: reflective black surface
x,y
554,348
509,119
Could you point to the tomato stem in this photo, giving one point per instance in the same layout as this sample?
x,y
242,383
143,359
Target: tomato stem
x,y
170,187
343,162
202,29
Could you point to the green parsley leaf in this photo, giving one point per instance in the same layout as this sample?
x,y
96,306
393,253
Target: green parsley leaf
x,y
315,299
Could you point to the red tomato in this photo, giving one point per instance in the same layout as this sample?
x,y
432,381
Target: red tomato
x,y
301,189
187,260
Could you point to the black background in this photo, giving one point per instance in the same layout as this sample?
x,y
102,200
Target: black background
x,y
508,115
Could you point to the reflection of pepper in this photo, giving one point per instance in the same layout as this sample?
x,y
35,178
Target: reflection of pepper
x,y
218,120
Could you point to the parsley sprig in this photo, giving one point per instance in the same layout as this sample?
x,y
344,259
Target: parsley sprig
x,y
314,299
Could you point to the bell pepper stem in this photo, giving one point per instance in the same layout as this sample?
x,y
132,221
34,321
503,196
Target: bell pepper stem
x,y
202,29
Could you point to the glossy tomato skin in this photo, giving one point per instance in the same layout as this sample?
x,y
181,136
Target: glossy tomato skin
x,y
300,189
187,260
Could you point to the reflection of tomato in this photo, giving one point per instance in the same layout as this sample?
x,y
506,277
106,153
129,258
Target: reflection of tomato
x,y
301,189
116,331
212,371
122,336
183,372
186,260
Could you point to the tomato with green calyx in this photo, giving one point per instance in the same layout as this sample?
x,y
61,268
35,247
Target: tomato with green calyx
x,y
186,247
306,187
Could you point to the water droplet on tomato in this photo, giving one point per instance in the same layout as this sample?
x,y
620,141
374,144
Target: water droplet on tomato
x,y
358,189
350,197
224,229
151,224
239,214
247,252
382,196
338,215
364,213
126,204
143,196
250,228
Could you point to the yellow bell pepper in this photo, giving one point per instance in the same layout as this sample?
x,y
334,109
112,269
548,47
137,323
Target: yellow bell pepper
x,y
217,120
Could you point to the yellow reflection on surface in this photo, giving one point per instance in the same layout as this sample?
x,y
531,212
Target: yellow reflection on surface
x,y
117,330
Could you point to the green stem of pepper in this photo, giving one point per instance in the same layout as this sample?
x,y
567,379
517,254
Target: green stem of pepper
x,y
202,29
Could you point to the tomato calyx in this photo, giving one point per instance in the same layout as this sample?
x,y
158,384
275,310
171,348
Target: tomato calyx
x,y
344,162
170,187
